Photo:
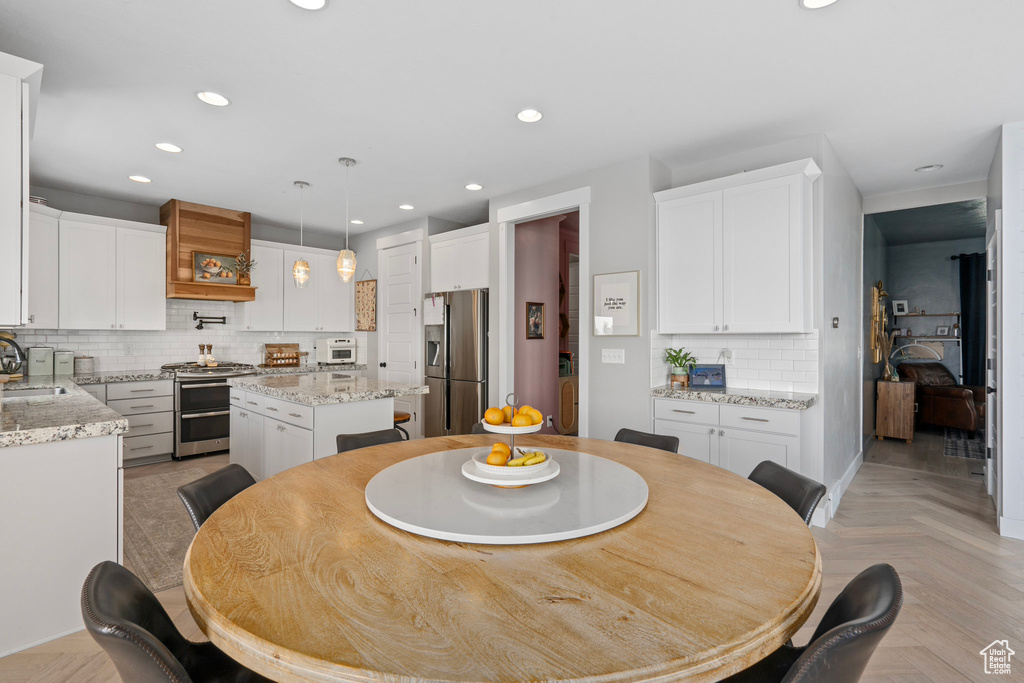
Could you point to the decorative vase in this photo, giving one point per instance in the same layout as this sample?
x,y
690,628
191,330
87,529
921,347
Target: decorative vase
x,y
682,380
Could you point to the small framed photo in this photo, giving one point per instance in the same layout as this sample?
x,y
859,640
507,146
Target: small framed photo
x,y
942,331
534,320
708,376
214,268
900,307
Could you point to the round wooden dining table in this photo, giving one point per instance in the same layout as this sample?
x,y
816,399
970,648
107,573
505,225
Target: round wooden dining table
x,y
297,580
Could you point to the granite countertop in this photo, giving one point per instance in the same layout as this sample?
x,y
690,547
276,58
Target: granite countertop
x,y
120,376
740,397
310,367
323,388
40,419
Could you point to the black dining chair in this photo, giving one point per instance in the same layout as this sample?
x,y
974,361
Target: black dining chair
x,y
660,441
203,496
350,442
799,492
844,641
135,631
478,428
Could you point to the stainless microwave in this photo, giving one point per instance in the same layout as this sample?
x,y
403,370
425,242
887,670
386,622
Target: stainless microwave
x,y
335,351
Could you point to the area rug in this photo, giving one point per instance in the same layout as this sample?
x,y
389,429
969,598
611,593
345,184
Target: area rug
x,y
959,444
157,529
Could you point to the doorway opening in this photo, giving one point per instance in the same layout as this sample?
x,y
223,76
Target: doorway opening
x,y
932,264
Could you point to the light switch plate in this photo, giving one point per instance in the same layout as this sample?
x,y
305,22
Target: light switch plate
x,y
613,356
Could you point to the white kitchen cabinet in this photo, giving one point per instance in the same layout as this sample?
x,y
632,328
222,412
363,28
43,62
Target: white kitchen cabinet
x,y
285,446
326,304
733,437
266,313
735,254
15,118
247,441
88,276
149,408
460,259
141,299
111,276
43,269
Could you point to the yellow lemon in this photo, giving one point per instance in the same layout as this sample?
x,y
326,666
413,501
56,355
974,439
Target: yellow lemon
x,y
521,420
497,458
526,409
494,416
509,412
535,416
501,448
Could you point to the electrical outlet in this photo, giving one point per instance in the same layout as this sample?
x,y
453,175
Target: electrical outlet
x,y
728,356
551,421
613,356
129,349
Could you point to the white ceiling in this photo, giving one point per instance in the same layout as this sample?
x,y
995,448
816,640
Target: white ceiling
x,y
424,94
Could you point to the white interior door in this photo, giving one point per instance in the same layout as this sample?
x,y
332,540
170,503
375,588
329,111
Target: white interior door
x,y
992,358
400,333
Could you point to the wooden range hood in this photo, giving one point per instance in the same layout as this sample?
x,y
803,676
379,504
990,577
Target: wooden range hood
x,y
209,230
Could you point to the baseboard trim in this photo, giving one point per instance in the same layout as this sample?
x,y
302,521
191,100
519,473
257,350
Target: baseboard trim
x,y
835,493
47,639
1011,528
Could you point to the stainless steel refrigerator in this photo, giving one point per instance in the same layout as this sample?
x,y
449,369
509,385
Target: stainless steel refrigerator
x,y
456,363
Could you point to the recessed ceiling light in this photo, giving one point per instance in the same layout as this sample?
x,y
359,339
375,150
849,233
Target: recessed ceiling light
x,y
356,221
216,99
929,168
529,116
809,4
139,178
168,147
309,4
474,186
406,207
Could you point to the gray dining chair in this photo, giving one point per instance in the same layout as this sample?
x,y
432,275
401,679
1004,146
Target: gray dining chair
x,y
203,496
659,441
799,492
350,442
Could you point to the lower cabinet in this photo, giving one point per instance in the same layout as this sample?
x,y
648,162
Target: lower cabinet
x,y
285,446
247,441
149,409
707,432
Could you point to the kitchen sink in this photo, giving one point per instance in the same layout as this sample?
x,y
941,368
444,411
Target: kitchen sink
x,y
29,393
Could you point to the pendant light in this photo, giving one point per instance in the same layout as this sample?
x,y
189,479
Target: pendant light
x,y
346,258
300,271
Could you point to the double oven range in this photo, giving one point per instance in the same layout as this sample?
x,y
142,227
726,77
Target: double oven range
x,y
202,406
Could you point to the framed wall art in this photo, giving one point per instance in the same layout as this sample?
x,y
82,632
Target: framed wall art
x,y
534,320
617,304
215,268
900,307
366,306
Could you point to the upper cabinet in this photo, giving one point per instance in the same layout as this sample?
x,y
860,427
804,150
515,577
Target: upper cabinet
x,y
460,259
734,254
43,268
19,82
326,304
266,312
111,274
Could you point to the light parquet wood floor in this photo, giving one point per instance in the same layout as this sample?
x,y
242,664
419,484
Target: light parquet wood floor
x,y
964,585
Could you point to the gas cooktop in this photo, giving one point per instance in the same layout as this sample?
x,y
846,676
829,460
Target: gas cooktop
x,y
226,369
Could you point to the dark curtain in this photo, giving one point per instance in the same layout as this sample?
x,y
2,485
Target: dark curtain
x,y
972,321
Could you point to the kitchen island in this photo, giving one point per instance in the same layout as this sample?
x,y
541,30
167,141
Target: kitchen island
x,y
61,483
280,421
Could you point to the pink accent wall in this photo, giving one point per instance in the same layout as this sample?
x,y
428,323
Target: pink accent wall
x,y
536,360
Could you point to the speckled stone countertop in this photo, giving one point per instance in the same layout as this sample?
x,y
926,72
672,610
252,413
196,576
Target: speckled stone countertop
x,y
310,367
39,419
323,388
740,397
120,376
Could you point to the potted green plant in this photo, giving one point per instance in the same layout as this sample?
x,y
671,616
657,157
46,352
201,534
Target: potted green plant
x,y
682,362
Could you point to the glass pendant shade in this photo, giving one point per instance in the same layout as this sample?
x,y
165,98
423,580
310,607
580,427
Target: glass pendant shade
x,y
300,273
346,265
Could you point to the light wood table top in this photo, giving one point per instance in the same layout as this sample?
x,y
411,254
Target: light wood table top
x,y
296,579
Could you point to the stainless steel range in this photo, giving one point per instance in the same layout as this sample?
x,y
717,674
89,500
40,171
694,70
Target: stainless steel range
x,y
202,406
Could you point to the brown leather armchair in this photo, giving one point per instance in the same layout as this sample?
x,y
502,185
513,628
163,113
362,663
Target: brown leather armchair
x,y
943,402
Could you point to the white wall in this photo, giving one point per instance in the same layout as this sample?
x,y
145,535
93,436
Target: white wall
x,y
621,238
840,365
1008,193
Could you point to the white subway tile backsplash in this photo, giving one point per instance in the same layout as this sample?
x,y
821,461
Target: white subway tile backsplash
x,y
180,342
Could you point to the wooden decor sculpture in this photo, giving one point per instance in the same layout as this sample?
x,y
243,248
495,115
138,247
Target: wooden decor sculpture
x,y
881,343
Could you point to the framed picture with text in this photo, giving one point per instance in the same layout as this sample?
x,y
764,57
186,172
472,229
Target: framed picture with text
x,y
617,304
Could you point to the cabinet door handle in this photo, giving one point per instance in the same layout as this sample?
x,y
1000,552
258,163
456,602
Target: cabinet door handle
x,y
141,448
139,391
721,432
32,318
272,408
252,403
280,428
294,414
141,426
712,432
241,414
139,407
756,419
203,386
686,412
726,328
716,328
214,414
